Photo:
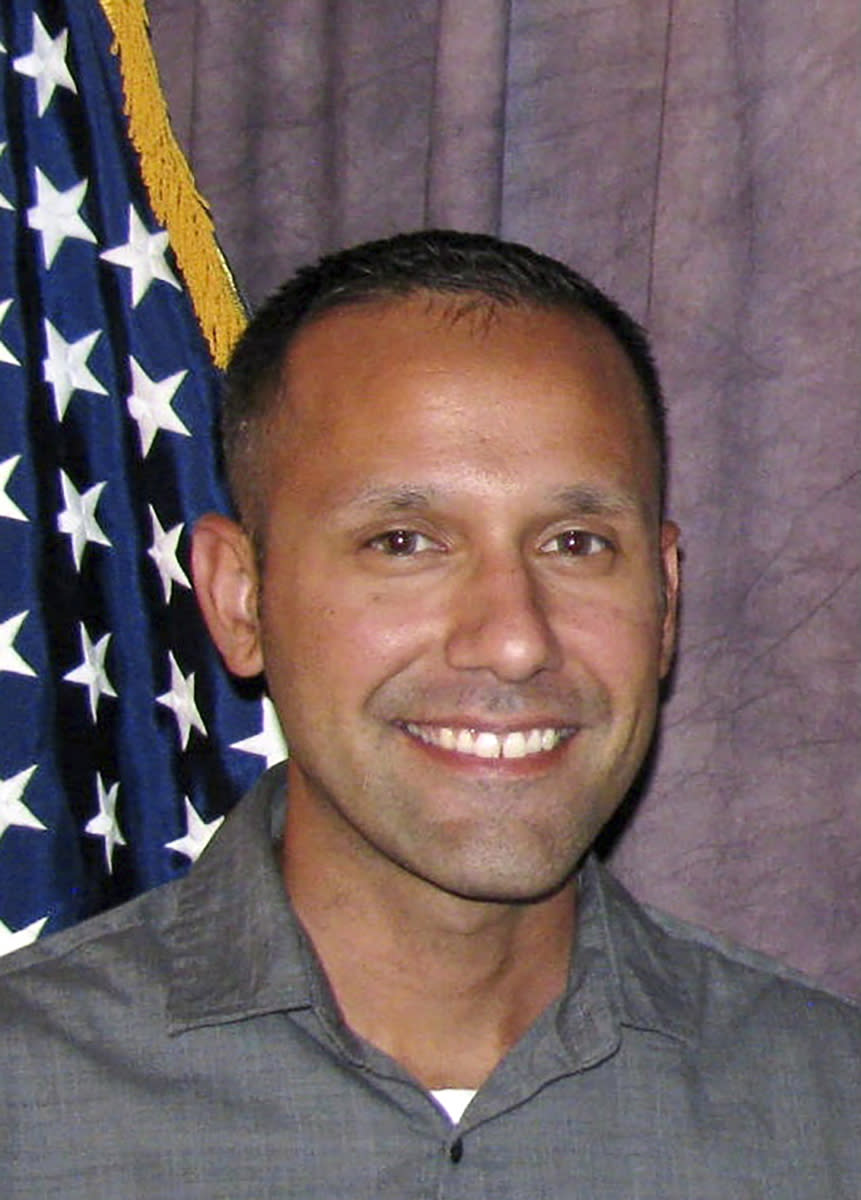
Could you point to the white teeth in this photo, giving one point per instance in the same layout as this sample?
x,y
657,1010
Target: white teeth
x,y
464,742
487,745
514,745
533,741
483,743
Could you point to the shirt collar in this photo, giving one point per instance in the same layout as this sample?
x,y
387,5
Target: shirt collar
x,y
648,973
238,949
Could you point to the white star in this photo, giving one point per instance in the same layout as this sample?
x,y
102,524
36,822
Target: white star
x,y
6,355
46,64
269,743
78,519
4,203
55,215
92,673
143,254
149,405
198,833
65,367
163,553
16,939
181,700
8,508
13,811
104,824
10,659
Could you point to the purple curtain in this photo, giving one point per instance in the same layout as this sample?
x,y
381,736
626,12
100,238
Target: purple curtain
x,y
703,163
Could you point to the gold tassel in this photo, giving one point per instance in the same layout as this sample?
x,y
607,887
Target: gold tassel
x,y
176,202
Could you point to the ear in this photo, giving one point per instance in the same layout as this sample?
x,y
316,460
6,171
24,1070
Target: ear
x,y
670,572
224,569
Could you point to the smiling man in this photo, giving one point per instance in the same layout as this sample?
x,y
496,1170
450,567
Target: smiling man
x,y
398,971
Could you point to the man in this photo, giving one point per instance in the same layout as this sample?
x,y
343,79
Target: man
x,y
397,971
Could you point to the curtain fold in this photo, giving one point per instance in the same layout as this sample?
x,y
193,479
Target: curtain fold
x,y
466,133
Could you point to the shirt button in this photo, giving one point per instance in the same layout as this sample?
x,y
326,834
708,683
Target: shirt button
x,y
456,1151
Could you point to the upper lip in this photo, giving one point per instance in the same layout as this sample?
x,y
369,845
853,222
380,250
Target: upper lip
x,y
491,725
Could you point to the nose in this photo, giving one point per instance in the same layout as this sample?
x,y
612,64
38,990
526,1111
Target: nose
x,y
500,623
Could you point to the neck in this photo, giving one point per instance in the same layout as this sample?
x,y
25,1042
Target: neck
x,y
442,984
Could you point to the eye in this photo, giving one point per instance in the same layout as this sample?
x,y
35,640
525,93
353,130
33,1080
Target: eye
x,y
576,543
401,543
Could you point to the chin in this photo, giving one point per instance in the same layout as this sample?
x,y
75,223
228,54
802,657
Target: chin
x,y
511,884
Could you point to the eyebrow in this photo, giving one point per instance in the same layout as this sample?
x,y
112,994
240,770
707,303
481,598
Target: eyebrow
x,y
585,499
597,501
399,497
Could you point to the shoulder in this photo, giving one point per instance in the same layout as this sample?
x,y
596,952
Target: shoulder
x,y
82,1011
133,938
124,943
723,998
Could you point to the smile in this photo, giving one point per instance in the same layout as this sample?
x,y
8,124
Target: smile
x,y
483,743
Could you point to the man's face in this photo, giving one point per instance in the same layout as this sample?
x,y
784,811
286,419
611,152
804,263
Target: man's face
x,y
467,599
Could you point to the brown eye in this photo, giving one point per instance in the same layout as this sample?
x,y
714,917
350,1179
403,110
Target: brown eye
x,y
576,543
400,543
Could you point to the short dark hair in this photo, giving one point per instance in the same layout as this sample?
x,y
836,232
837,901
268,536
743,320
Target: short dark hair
x,y
440,261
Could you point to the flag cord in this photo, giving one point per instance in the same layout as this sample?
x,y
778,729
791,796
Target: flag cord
x,y
176,201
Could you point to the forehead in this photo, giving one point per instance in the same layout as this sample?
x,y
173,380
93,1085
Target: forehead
x,y
431,383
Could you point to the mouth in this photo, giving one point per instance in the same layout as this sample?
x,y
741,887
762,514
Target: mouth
x,y
489,744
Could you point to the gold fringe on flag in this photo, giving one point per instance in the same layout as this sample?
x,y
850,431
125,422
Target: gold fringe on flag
x,y
176,202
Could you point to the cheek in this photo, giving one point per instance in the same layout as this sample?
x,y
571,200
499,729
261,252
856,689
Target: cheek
x,y
385,634
617,643
322,642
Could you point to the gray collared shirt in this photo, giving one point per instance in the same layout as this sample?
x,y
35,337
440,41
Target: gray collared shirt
x,y
187,1046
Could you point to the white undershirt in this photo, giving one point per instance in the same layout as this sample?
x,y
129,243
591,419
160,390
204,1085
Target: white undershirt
x,y
453,1101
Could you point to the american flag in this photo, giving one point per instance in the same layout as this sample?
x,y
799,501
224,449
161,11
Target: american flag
x,y
124,740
